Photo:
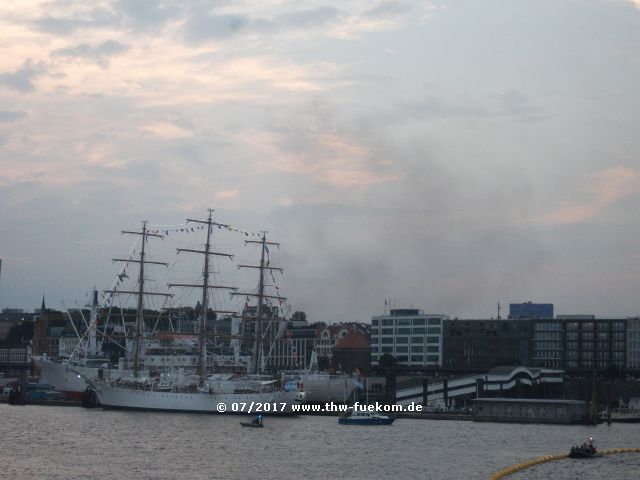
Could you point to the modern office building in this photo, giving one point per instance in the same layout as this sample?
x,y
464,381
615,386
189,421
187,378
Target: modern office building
x,y
481,344
530,310
633,343
413,337
579,344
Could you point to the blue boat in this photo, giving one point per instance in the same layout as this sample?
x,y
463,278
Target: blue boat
x,y
365,418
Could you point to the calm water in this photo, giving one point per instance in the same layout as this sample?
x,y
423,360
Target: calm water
x,y
74,443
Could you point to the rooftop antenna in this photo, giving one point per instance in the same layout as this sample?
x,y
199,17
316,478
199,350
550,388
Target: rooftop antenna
x,y
499,310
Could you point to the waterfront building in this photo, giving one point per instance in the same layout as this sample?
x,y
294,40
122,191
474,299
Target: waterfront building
x,y
522,410
353,353
530,310
633,343
579,344
328,337
411,336
481,344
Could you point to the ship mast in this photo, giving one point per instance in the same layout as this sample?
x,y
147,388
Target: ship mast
x,y
257,360
141,293
202,334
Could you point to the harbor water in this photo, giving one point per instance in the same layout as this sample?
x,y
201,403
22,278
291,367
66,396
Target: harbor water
x,y
76,443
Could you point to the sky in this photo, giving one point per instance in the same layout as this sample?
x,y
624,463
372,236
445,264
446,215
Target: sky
x,y
443,155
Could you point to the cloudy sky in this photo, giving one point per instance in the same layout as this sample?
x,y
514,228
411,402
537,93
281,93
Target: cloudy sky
x,y
444,154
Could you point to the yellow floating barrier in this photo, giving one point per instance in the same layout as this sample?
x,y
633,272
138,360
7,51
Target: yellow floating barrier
x,y
549,458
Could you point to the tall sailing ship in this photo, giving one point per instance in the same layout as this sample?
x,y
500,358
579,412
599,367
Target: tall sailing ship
x,y
205,392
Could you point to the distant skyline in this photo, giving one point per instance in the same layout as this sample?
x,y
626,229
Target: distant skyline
x,y
446,155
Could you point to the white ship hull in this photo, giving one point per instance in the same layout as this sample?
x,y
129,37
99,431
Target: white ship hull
x,y
271,403
69,379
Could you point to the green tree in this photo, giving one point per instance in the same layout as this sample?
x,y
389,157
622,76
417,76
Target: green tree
x,y
299,316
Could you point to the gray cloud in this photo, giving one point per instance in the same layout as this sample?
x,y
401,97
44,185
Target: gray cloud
x,y
214,27
9,116
149,14
202,26
387,9
98,53
96,18
22,79
514,102
315,17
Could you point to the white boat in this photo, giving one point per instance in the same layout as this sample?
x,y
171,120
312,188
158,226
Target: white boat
x,y
209,394
323,387
363,417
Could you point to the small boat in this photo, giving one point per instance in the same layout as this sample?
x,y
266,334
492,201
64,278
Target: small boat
x,y
252,424
586,450
365,418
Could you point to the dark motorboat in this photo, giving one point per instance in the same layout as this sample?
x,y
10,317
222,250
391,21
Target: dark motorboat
x,y
255,423
251,424
586,450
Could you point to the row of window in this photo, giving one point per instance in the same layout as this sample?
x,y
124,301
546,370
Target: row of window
x,y
405,349
390,340
414,358
547,335
547,326
389,322
556,345
617,326
407,331
602,364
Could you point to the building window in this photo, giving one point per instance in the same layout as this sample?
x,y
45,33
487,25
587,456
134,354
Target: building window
x,y
403,321
402,358
374,322
387,322
433,358
417,349
387,349
434,321
433,330
402,339
403,331
418,321
433,340
419,331
402,349
417,339
387,331
387,340
433,349
417,358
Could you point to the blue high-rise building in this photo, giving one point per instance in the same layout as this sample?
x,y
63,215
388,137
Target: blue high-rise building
x,y
530,310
